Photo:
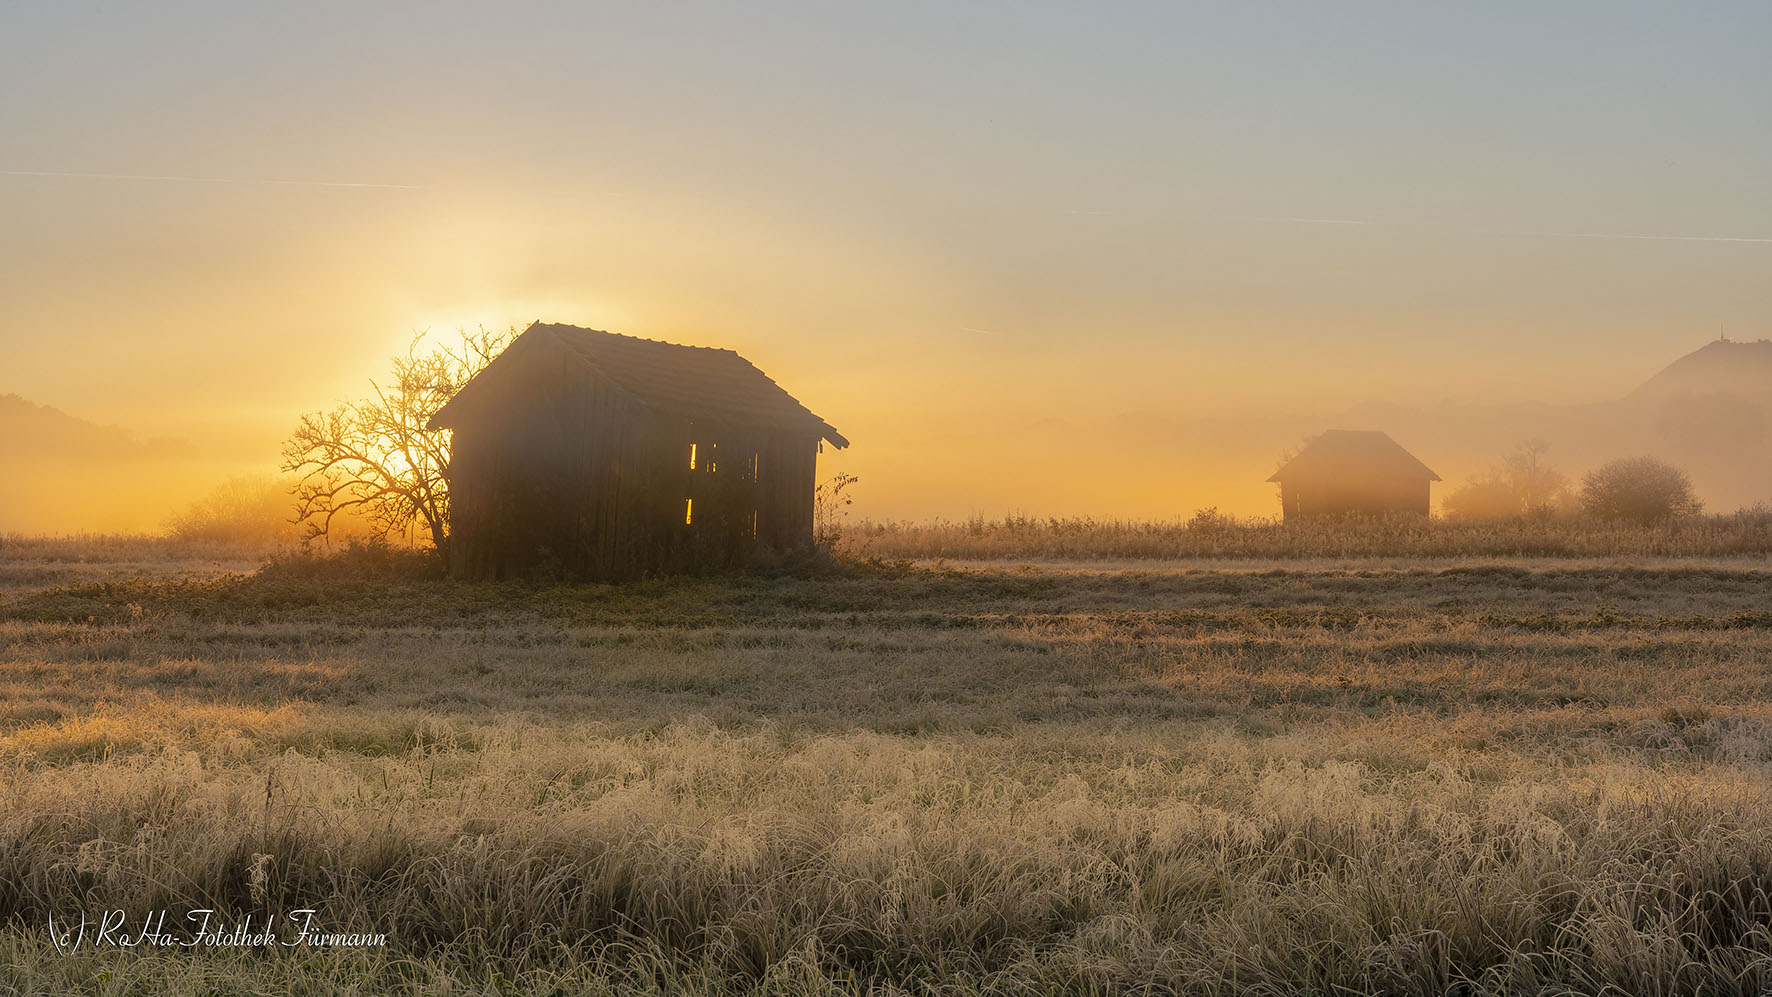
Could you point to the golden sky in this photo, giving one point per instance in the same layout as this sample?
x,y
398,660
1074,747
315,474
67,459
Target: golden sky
x,y
1026,256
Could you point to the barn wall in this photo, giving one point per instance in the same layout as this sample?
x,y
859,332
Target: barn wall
x,y
751,488
1341,497
537,481
788,480
1289,500
724,487
571,476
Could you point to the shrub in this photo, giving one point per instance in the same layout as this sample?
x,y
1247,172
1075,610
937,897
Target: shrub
x,y
1482,498
1209,520
1522,484
251,510
1638,490
358,560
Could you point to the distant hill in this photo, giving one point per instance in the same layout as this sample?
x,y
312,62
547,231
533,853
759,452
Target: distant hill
x,y
40,431
1708,412
63,474
1722,367
1714,407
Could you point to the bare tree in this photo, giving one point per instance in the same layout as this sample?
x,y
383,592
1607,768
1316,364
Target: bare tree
x,y
1538,487
373,459
1489,495
1523,484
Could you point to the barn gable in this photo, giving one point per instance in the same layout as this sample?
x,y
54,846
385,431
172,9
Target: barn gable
x,y
1353,472
1363,453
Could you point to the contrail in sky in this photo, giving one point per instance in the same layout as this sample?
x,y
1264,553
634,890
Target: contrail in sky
x,y
1630,236
1650,238
235,180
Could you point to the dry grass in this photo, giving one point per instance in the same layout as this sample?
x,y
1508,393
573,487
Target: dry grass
x,y
1308,776
1209,535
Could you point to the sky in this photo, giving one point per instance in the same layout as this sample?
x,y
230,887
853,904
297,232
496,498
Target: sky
x,y
1027,256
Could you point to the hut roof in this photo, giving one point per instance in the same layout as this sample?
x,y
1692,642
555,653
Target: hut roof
x,y
697,382
1365,453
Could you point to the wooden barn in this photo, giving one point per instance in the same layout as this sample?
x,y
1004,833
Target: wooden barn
x,y
603,456
1353,472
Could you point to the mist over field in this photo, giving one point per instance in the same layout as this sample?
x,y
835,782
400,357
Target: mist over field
x,y
1708,412
68,475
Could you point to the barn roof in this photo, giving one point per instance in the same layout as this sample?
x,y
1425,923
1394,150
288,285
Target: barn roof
x,y
697,382
1362,453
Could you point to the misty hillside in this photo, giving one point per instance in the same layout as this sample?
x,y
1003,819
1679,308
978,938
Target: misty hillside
x,y
63,474
1726,367
1708,412
1716,401
40,431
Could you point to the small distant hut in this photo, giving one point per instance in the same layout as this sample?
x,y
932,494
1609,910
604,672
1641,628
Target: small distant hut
x,y
605,456
1353,471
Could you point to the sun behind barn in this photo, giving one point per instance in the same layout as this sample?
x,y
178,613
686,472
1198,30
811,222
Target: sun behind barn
x,y
609,457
